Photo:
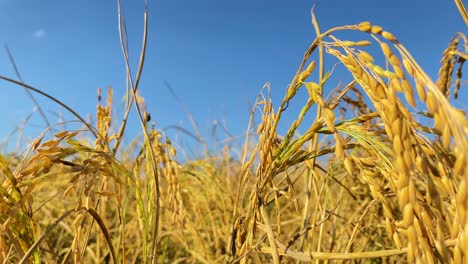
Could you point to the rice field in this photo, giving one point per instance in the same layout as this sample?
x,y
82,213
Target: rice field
x,y
379,174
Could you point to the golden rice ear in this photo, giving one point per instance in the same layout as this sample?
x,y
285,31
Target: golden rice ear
x,y
366,56
348,165
462,10
356,162
387,51
409,68
365,26
376,29
389,36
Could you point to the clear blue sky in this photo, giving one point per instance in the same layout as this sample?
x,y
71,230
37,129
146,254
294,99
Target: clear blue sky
x,y
216,55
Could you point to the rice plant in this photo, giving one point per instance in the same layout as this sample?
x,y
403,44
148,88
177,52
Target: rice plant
x,y
379,174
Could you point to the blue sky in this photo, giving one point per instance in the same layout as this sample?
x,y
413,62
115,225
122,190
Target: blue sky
x,y
216,55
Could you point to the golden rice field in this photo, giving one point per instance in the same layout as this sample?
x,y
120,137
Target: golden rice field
x,y
385,182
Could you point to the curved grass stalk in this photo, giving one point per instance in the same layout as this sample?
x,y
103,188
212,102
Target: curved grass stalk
x,y
73,112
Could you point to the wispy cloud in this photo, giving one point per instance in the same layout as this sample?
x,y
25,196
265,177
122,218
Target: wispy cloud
x,y
40,33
